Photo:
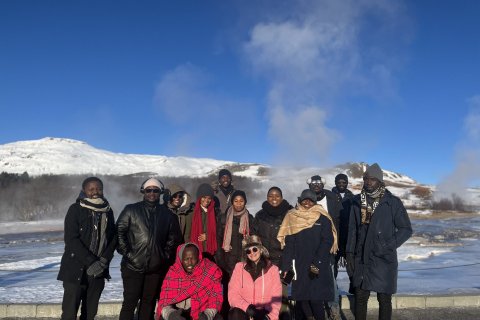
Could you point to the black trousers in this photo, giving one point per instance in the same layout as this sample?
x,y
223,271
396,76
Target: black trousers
x,y
87,293
361,302
143,287
312,308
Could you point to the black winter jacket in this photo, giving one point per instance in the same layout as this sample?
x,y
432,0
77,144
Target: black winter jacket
x,y
78,230
375,245
310,246
334,205
342,232
266,224
147,240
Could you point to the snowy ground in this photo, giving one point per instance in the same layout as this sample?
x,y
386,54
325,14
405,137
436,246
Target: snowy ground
x,y
443,257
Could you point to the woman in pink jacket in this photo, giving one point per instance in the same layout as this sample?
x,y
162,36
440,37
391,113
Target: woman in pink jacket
x,y
254,290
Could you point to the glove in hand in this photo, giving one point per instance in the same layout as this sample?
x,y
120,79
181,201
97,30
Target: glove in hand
x,y
251,310
96,269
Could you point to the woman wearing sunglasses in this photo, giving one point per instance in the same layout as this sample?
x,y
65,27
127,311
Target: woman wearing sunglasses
x,y
254,290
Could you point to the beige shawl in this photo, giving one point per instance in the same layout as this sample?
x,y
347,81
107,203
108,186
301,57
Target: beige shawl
x,y
300,218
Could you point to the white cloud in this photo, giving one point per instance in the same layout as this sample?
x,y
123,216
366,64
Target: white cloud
x,y
313,54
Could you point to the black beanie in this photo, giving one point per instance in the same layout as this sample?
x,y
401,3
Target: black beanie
x,y
374,171
238,193
224,172
341,176
204,190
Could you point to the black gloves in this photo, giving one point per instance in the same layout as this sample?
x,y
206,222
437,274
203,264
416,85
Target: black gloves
x,y
251,311
257,314
96,269
350,264
313,271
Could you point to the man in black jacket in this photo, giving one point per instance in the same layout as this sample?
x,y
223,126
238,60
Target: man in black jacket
x,y
148,236
346,197
379,224
89,245
330,202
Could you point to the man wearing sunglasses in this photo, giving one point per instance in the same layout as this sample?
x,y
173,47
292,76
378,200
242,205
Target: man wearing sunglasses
x,y
330,202
148,236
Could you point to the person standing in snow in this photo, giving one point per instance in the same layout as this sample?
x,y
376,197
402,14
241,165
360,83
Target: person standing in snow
x,y
148,236
378,225
89,246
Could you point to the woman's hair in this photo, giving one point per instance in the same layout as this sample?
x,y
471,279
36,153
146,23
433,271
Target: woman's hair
x,y
275,188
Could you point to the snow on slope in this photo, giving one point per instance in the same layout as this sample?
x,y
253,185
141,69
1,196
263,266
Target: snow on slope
x,y
67,156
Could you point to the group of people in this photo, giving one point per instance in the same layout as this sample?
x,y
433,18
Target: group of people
x,y
211,259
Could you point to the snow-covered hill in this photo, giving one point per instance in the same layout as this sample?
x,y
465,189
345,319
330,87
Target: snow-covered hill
x,y
67,156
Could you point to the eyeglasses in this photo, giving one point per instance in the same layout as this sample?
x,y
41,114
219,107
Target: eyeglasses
x,y
152,190
250,250
177,195
316,182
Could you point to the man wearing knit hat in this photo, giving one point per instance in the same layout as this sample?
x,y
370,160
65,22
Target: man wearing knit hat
x,y
148,236
378,225
224,191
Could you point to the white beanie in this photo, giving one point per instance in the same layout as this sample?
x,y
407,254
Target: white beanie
x,y
152,182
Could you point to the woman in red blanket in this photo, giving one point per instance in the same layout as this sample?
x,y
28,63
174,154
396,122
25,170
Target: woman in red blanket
x,y
192,287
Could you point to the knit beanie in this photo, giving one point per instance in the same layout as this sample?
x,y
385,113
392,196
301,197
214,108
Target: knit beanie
x,y
152,182
374,171
307,194
204,190
341,176
238,193
224,172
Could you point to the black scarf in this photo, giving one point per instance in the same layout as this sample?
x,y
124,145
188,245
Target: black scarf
x,y
278,211
226,191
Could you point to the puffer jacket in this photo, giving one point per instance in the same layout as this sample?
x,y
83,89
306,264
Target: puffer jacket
x,y
375,245
147,237
263,292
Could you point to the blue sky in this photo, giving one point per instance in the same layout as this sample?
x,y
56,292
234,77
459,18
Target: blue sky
x,y
278,82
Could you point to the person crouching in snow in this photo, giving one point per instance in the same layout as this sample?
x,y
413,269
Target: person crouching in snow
x,y
254,290
192,288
